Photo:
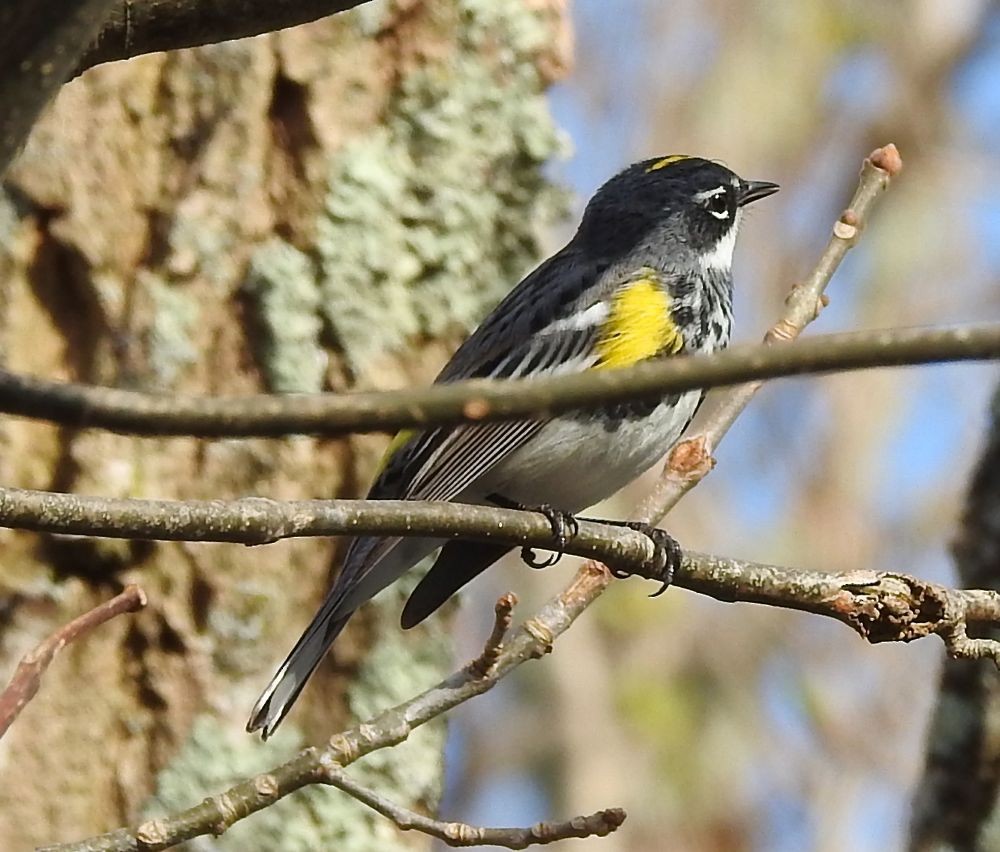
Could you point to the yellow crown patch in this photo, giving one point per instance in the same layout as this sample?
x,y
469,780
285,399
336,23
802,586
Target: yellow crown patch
x,y
666,161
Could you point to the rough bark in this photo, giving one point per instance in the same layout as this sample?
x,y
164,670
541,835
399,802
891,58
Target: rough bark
x,y
325,207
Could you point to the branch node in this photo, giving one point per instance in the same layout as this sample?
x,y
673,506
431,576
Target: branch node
x,y
783,331
136,596
152,833
888,607
368,733
344,749
690,460
843,229
266,786
542,635
229,812
476,409
461,834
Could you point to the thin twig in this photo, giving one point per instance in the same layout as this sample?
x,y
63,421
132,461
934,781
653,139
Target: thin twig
x,y
503,614
691,460
481,401
28,676
880,606
460,834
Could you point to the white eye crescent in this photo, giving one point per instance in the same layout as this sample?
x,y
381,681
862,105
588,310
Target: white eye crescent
x,y
715,202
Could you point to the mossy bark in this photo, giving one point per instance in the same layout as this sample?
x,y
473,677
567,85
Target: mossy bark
x,y
326,207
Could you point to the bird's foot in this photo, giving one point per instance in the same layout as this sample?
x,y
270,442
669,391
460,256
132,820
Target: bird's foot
x,y
666,559
564,527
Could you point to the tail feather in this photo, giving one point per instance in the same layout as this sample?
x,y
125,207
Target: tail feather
x,y
279,696
459,563
371,564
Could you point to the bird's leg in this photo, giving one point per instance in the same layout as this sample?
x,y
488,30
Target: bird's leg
x,y
666,559
564,527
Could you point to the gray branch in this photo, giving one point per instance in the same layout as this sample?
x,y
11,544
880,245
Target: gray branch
x,y
334,414
40,44
135,27
881,606
598,824
258,520
479,401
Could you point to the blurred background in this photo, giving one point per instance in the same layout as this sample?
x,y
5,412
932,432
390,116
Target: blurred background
x,y
735,727
333,206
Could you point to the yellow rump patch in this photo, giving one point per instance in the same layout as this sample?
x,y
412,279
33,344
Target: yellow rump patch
x,y
395,445
639,325
666,161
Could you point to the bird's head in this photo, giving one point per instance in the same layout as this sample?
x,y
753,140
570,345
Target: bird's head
x,y
683,202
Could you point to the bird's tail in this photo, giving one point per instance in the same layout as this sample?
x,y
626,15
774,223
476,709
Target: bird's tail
x,y
371,564
279,696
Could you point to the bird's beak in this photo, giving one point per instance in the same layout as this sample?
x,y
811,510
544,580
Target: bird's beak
x,y
754,190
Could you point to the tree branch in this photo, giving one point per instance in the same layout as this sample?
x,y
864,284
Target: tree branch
x,y
599,824
28,677
40,43
135,27
478,401
903,604
257,520
880,606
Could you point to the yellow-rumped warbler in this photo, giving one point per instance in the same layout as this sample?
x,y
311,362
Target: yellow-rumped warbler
x,y
647,275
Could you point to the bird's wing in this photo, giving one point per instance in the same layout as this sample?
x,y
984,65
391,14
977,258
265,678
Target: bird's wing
x,y
442,463
569,315
622,321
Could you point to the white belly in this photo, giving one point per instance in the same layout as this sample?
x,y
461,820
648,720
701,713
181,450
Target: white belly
x,y
571,464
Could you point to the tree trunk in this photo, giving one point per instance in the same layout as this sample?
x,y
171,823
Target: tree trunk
x,y
322,208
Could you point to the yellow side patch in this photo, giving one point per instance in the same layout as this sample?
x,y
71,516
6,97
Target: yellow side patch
x,y
638,327
395,445
666,161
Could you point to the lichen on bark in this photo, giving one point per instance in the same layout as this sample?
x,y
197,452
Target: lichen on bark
x,y
429,220
300,211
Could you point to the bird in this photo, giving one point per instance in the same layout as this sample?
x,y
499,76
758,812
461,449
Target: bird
x,y
647,275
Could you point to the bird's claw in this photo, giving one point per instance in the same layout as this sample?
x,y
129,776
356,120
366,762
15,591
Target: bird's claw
x,y
564,528
666,559
532,561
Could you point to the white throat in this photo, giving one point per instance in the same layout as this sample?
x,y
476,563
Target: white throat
x,y
721,257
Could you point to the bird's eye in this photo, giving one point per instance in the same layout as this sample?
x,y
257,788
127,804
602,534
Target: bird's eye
x,y
717,203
